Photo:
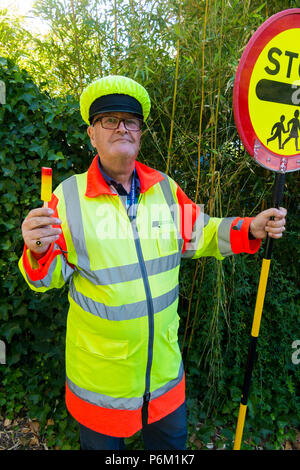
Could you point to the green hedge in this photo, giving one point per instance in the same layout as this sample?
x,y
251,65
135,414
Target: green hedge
x,y
35,131
39,131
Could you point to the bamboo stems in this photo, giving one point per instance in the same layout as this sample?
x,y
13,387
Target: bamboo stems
x,y
202,101
175,93
73,19
198,167
115,35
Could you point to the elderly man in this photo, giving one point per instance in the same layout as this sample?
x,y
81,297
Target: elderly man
x,y
116,233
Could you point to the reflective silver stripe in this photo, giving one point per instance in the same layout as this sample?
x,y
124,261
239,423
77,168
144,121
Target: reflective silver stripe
x,y
46,281
200,223
168,386
104,400
74,219
224,236
131,272
121,403
122,312
162,264
106,276
66,269
173,206
168,194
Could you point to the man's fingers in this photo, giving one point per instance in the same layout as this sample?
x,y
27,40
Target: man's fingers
x,y
36,222
276,213
274,235
283,210
38,225
276,223
40,211
275,230
43,232
273,212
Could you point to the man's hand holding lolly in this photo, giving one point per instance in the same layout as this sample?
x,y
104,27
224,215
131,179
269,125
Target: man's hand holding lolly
x,y
37,229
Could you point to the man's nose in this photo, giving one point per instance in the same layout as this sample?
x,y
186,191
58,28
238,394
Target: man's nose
x,y
121,127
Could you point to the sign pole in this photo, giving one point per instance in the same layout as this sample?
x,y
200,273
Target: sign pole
x,y
277,198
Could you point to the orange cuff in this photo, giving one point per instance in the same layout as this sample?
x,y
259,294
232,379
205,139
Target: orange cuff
x,y
43,263
239,238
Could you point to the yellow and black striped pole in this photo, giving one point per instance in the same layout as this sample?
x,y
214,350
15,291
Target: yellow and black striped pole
x,y
263,280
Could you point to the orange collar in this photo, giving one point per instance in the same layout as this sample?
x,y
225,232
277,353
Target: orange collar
x,y
97,186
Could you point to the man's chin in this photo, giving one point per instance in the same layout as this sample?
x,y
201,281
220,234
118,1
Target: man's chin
x,y
125,151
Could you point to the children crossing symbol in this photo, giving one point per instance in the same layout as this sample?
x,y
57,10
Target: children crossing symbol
x,y
293,127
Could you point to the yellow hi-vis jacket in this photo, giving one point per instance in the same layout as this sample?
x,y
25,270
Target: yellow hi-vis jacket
x,y
122,352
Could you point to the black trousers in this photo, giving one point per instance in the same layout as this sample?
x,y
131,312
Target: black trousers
x,y
169,433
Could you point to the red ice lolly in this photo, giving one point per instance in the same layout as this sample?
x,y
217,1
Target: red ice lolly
x,y
46,187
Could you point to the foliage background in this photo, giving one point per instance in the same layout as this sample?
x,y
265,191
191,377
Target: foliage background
x,y
186,54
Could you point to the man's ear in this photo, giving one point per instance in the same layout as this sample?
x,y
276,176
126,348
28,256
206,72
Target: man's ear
x,y
90,132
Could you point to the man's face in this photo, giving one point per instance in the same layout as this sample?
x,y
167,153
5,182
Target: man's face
x,y
114,144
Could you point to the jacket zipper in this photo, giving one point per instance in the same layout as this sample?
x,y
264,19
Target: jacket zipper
x,y
146,397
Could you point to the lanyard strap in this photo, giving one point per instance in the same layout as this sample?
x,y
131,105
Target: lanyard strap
x,y
132,208
132,189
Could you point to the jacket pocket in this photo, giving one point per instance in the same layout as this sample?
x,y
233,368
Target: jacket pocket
x,y
166,239
101,346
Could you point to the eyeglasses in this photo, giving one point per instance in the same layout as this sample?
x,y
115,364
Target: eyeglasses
x,y
113,122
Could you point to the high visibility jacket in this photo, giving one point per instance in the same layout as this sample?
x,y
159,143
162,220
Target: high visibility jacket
x,y
121,344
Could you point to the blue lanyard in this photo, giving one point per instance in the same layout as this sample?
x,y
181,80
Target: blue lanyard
x,y
132,197
132,189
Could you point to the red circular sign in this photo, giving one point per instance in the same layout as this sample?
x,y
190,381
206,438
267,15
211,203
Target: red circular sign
x,y
266,95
